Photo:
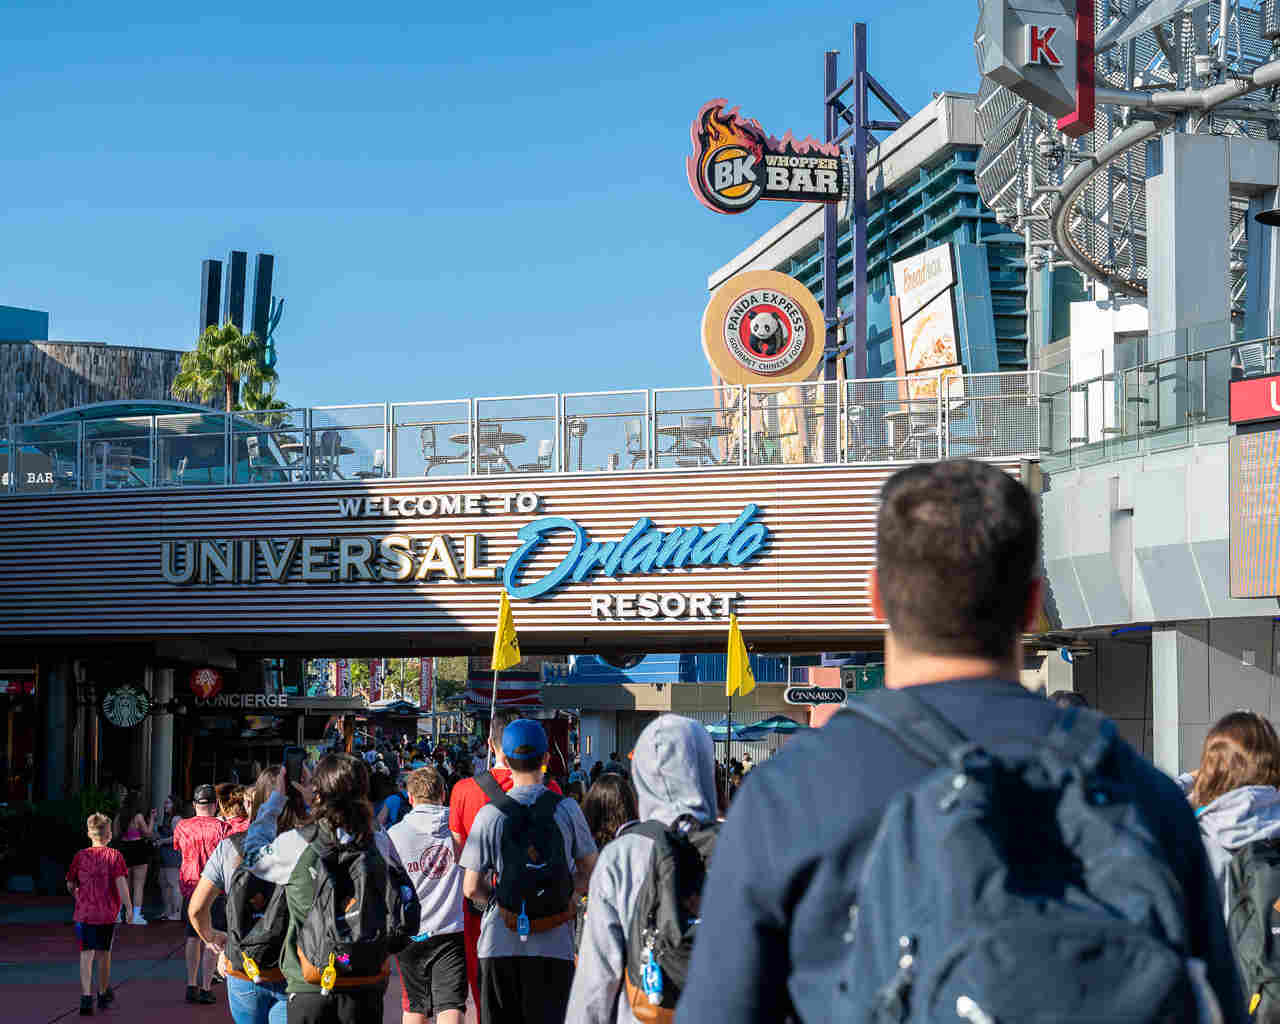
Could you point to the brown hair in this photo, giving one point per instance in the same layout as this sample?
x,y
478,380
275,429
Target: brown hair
x,y
231,800
426,786
342,794
610,804
956,549
98,826
1242,749
295,811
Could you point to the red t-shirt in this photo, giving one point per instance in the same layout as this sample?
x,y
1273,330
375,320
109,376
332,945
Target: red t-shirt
x,y
468,798
236,825
196,838
94,872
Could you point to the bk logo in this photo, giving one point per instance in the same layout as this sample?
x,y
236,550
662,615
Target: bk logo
x,y
1041,45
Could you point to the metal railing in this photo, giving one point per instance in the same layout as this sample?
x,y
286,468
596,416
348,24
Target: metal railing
x,y
692,428
1156,405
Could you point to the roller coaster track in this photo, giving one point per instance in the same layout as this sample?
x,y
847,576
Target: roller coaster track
x,y
1166,105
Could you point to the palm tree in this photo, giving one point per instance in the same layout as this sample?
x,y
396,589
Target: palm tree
x,y
223,358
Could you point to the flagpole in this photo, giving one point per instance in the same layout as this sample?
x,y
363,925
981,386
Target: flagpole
x,y
728,748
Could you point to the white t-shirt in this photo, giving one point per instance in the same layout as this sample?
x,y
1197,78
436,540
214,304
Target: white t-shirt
x,y
425,847
483,853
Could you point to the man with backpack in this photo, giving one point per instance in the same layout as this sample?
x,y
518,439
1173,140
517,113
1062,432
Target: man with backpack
x,y
638,917
529,854
465,801
351,904
955,847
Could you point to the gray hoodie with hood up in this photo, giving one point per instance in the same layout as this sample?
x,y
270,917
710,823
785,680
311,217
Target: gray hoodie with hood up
x,y
1242,816
674,774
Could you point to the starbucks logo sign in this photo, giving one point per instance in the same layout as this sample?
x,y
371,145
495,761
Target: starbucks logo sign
x,y
126,706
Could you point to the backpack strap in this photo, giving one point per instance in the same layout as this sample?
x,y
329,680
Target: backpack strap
x,y
913,723
650,829
490,788
1083,737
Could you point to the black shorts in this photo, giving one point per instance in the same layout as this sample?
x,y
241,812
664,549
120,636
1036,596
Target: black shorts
x,y
95,936
433,975
136,852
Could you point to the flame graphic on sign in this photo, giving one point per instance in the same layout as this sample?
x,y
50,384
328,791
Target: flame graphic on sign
x,y
714,128
792,146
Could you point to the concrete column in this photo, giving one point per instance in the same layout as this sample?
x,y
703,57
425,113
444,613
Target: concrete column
x,y
142,744
161,738
57,725
1187,255
1164,699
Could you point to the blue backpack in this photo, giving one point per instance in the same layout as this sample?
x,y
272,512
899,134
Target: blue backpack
x,y
1013,884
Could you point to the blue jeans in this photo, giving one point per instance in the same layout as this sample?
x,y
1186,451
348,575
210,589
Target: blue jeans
x,y
256,1004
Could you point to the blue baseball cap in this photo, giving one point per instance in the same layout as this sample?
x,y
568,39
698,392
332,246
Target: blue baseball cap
x,y
524,738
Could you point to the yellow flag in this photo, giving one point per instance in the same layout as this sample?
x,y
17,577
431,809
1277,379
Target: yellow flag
x,y
506,645
738,679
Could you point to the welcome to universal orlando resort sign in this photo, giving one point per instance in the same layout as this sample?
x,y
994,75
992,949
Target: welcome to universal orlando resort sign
x,y
445,557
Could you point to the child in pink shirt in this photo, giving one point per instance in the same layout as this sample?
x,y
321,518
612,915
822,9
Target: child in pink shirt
x,y
97,880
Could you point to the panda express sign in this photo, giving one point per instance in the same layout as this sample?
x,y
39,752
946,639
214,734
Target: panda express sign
x,y
763,327
734,164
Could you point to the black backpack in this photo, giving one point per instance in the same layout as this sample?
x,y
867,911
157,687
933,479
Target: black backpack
x,y
536,880
668,909
364,910
1013,884
257,919
1253,922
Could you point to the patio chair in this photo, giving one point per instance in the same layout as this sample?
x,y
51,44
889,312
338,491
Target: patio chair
x,y
111,466
327,455
66,473
182,470
691,447
636,446
546,455
261,468
379,466
430,451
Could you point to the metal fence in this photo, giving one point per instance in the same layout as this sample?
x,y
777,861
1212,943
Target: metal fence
x,y
1002,415
1152,406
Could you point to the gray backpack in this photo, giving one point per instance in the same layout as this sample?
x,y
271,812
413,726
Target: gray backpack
x,y
1011,885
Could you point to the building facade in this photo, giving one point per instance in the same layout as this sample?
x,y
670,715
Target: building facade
x,y
921,194
41,377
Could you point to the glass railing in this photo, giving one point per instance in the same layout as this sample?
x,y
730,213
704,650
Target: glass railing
x,y
697,428
1163,403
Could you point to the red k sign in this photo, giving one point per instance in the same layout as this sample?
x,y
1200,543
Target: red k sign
x,y
1257,398
1041,45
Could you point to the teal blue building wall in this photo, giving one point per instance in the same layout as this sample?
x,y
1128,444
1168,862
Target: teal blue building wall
x,y
941,205
17,324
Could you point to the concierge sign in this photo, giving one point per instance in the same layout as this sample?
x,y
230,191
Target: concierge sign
x,y
734,163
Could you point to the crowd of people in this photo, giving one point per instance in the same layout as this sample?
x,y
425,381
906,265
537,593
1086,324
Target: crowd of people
x,y
954,847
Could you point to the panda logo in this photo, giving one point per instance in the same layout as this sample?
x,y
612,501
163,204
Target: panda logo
x,y
768,334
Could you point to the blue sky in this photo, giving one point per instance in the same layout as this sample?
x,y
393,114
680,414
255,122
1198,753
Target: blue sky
x,y
459,203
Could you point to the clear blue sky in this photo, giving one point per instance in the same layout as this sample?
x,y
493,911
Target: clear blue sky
x,y
462,199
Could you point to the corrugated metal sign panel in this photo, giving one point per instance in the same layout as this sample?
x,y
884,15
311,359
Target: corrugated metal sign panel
x,y
90,564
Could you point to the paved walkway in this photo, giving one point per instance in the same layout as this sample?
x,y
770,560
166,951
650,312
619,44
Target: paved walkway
x,y
39,972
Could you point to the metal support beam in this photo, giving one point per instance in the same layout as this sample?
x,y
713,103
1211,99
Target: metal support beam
x,y
856,115
830,224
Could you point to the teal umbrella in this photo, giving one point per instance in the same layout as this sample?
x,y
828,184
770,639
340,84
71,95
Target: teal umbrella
x,y
779,724
742,733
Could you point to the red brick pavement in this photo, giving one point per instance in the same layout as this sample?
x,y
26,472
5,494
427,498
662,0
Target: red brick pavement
x,y
41,985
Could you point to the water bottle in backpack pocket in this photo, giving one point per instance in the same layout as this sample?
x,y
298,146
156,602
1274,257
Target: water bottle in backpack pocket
x,y
534,892
364,910
668,909
257,920
1014,884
